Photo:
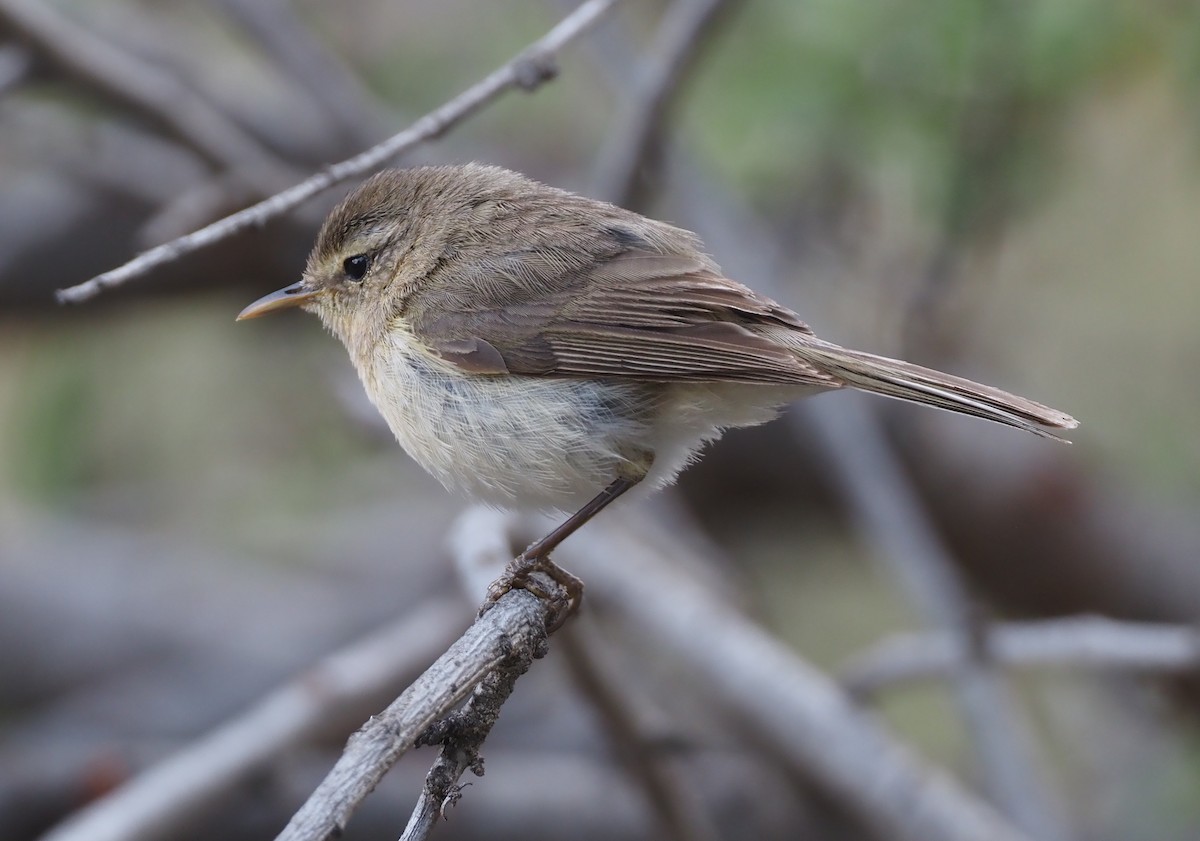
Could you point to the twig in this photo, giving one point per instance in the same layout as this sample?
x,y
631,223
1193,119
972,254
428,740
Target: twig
x,y
462,734
479,555
816,727
148,90
516,622
885,505
158,803
672,55
528,71
481,542
852,440
1077,642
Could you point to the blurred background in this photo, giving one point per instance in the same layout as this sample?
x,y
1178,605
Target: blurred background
x,y
193,509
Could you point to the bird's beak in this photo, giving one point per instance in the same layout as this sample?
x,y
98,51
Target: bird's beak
x,y
289,296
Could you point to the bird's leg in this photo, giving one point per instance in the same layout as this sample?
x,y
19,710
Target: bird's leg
x,y
536,558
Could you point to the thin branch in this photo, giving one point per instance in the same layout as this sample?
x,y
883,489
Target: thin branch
x,y
157,804
516,622
481,545
528,71
814,725
879,494
480,554
146,89
673,54
441,791
1077,642
885,504
461,735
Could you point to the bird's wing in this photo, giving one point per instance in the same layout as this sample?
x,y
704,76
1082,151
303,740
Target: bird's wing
x,y
636,314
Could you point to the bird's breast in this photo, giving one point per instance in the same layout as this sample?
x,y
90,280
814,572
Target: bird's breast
x,y
538,442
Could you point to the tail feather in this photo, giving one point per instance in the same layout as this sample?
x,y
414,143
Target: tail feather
x,y
905,381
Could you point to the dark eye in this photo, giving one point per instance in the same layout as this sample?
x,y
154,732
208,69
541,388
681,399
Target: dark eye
x,y
356,266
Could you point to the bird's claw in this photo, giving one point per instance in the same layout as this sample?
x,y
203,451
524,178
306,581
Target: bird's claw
x,y
563,593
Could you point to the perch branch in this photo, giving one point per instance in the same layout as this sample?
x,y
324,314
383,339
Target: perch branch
x,y
481,545
515,623
528,71
479,555
461,735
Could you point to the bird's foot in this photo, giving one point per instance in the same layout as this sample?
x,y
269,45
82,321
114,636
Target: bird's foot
x,y
563,592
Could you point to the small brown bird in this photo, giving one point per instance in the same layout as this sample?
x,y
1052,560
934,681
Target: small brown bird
x,y
534,348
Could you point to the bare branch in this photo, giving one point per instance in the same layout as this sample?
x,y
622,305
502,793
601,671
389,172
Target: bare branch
x,y
877,492
156,804
148,90
1076,642
528,71
461,735
800,711
677,45
481,542
884,502
516,622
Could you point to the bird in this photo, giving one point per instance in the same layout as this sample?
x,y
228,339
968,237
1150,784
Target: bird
x,y
533,348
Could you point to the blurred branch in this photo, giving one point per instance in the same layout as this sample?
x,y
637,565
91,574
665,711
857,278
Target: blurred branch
x,y
145,89
881,498
803,714
16,62
279,31
678,819
169,796
990,119
535,66
1015,513
636,139
889,513
874,485
1077,642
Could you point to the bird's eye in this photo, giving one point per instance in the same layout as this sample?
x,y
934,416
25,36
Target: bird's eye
x,y
356,266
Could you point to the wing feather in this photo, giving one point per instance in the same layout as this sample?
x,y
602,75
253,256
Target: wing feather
x,y
635,314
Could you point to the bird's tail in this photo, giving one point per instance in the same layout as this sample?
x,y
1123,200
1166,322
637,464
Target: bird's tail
x,y
905,381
